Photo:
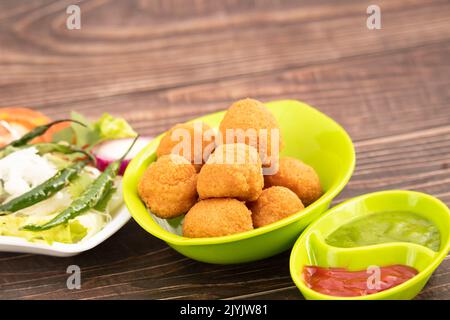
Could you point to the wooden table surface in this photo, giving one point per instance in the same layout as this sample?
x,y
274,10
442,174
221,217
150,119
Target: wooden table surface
x,y
158,63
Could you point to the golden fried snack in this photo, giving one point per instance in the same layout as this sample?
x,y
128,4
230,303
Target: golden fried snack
x,y
168,186
251,115
217,217
274,203
297,176
194,141
232,171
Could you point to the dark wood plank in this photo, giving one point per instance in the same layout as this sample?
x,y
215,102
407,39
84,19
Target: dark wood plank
x,y
162,62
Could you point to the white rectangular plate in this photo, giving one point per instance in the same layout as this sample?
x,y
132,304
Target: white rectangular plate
x,y
16,244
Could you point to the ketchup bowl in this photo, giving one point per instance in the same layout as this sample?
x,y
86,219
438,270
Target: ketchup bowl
x,y
308,135
313,257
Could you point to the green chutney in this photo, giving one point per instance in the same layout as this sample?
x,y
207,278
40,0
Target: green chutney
x,y
386,227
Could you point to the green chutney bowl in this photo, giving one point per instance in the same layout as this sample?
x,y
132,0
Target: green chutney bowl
x,y
311,248
308,135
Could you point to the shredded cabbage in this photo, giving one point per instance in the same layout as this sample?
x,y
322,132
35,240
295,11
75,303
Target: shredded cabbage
x,y
57,161
48,207
93,221
72,232
82,227
78,185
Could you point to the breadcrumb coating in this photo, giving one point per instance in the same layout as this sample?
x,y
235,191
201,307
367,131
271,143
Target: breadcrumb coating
x,y
298,177
251,114
274,203
217,217
168,186
232,171
200,142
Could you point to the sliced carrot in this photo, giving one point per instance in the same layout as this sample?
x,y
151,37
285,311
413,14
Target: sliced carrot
x,y
23,119
28,117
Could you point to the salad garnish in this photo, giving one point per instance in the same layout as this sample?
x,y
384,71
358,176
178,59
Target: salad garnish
x,y
93,133
43,191
92,197
48,147
37,132
51,186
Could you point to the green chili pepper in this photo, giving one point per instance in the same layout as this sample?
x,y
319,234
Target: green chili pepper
x,y
36,132
44,148
91,197
47,147
44,190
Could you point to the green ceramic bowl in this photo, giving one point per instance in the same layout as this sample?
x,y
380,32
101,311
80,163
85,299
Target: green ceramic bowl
x,y
308,135
311,248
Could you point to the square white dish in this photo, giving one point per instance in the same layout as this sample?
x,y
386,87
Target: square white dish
x,y
16,244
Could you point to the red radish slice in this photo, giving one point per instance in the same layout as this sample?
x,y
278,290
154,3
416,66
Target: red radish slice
x,y
111,150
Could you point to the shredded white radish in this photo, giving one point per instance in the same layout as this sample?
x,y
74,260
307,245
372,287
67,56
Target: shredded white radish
x,y
23,170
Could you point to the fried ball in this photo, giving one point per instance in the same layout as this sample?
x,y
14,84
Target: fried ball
x,y
246,115
217,217
168,186
274,203
232,171
198,145
297,176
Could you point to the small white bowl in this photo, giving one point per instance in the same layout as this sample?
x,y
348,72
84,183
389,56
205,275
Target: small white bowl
x,y
16,244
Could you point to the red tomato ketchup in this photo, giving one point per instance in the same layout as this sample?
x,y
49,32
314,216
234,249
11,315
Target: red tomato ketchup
x,y
340,282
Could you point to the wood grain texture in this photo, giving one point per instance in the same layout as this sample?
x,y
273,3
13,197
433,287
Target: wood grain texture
x,y
161,62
